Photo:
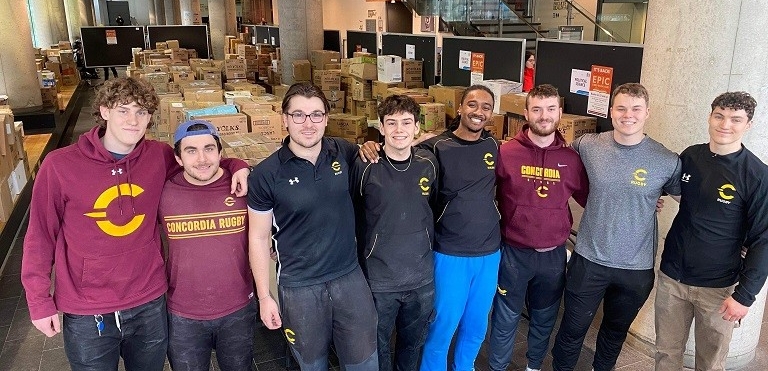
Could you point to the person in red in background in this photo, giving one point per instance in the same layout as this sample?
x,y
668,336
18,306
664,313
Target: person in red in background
x,y
530,65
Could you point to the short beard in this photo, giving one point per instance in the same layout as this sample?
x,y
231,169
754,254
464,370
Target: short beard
x,y
542,133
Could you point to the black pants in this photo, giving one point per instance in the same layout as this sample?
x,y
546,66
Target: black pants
x,y
409,313
141,338
340,311
623,293
190,341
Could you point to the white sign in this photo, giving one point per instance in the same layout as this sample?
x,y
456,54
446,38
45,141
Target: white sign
x,y
598,103
580,82
410,51
475,78
465,58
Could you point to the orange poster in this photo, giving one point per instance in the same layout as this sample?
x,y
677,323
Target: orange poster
x,y
601,78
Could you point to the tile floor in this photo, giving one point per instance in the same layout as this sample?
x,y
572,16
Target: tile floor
x,y
23,348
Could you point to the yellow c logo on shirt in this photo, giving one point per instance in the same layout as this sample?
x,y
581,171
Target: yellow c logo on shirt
x,y
501,291
423,184
103,201
336,166
290,336
640,174
541,191
229,201
488,158
724,187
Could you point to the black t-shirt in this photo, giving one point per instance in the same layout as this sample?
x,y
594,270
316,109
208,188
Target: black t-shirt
x,y
395,223
467,217
314,224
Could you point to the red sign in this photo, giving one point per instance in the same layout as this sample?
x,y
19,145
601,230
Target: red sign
x,y
477,63
601,79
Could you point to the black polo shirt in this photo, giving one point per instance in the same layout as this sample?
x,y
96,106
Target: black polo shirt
x,y
314,224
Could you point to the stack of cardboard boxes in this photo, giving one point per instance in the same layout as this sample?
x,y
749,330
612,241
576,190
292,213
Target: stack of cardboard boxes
x,y
571,126
14,164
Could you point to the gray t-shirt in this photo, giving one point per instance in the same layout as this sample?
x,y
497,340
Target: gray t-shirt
x,y
619,228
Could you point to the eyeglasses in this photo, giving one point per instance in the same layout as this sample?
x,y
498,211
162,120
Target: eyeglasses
x,y
301,117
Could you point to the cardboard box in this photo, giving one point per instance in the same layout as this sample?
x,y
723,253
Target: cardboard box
x,y
280,90
207,95
514,123
255,89
247,51
327,79
379,88
500,87
389,68
346,126
361,90
234,68
515,103
230,96
165,109
319,58
172,44
6,201
249,147
302,70
368,109
228,124
363,68
336,100
574,126
267,123
496,127
448,95
412,70
432,116
414,84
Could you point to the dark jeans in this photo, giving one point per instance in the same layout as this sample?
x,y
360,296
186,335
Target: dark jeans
x,y
623,292
142,339
409,313
340,310
538,277
190,341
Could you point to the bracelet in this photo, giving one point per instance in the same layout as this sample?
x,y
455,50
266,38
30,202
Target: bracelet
x,y
260,298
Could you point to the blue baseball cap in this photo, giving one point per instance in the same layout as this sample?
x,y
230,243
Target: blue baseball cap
x,y
183,130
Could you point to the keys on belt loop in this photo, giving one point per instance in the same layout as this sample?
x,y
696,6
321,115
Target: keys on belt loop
x,y
99,322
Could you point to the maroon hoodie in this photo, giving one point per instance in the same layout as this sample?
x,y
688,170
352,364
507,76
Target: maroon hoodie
x,y
533,185
94,218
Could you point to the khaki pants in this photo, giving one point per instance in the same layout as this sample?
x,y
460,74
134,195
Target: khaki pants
x,y
677,305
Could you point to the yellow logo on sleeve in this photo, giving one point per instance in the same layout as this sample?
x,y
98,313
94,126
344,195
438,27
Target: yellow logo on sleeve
x,y
488,159
424,185
103,201
336,167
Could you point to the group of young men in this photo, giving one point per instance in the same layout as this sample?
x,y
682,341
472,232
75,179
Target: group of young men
x,y
423,239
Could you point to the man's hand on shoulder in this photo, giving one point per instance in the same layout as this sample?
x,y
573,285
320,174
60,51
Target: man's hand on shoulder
x,y
369,151
49,326
240,182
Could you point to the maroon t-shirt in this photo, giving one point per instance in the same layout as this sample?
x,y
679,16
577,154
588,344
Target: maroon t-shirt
x,y
207,264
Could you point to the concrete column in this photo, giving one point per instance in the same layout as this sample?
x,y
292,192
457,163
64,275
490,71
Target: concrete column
x,y
222,20
190,12
305,33
72,10
175,11
170,17
715,47
87,17
18,76
151,12
49,26
160,12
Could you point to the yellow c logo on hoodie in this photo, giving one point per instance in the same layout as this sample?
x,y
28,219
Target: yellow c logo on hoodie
x,y
103,201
